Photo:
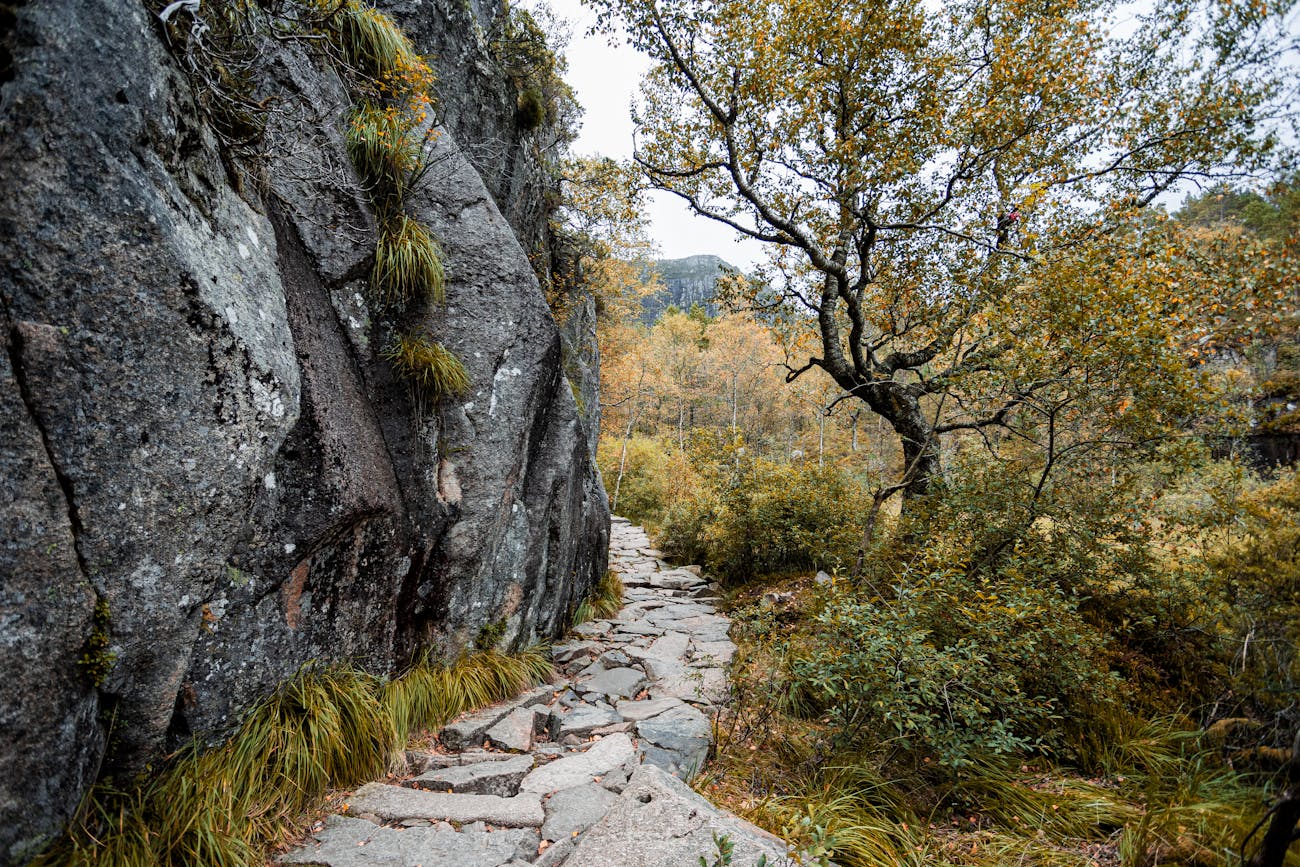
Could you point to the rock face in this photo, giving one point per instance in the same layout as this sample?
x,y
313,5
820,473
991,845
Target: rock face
x,y
208,474
687,282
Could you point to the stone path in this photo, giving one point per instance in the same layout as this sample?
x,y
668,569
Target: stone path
x,y
585,772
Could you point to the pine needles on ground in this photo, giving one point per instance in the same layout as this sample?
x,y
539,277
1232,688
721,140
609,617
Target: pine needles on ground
x,y
325,729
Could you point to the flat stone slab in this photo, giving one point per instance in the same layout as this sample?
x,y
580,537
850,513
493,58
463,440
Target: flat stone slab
x,y
572,811
582,720
641,710
347,842
563,653
578,770
640,627
697,685
515,732
659,822
718,653
683,735
395,803
616,682
678,611
486,778
675,579
671,645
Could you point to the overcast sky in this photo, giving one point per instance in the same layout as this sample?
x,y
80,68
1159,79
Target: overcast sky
x,y
606,79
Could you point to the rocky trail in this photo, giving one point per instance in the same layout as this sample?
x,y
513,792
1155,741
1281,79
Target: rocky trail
x,y
585,772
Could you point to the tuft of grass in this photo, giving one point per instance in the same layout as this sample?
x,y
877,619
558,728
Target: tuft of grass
x,y
408,264
605,600
431,369
1058,807
386,151
530,109
327,728
372,42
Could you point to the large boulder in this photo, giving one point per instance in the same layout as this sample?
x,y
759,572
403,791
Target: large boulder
x,y
209,474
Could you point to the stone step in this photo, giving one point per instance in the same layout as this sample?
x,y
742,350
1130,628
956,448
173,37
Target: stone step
x,y
469,730
485,778
347,842
602,757
659,822
389,803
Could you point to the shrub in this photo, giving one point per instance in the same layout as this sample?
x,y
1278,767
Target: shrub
x,y
956,669
744,516
644,487
530,109
431,369
1258,568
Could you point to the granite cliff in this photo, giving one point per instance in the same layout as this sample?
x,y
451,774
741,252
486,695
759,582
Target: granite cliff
x,y
209,474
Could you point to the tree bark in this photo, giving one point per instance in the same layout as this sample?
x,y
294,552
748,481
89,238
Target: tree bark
x,y
1282,831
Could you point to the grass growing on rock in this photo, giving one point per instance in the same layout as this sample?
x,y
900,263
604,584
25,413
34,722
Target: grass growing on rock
x,y
385,149
408,264
605,600
431,369
325,729
371,42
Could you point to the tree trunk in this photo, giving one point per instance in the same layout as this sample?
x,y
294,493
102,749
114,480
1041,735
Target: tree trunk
x,y
622,458
901,409
1282,831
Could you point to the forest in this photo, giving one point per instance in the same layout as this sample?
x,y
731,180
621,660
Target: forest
x,y
995,453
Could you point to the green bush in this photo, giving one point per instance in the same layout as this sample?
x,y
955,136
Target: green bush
x,y
744,516
966,633
644,489
957,668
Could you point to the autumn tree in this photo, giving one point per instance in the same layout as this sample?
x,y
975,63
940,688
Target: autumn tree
x,y
927,174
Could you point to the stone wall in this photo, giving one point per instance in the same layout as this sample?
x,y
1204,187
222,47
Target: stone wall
x,y
208,475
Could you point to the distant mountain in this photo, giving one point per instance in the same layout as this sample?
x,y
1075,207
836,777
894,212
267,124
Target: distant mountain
x,y
686,282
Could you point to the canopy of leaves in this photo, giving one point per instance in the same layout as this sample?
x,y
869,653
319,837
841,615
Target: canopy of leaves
x,y
944,187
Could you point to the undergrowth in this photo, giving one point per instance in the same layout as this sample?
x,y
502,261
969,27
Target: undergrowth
x,y
1157,792
325,729
605,600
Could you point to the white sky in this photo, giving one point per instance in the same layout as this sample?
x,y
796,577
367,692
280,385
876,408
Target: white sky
x,y
606,78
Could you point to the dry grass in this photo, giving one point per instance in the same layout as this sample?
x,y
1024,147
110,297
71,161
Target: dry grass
x,y
327,728
605,600
431,369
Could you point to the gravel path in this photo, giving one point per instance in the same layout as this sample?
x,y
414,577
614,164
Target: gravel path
x,y
585,772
